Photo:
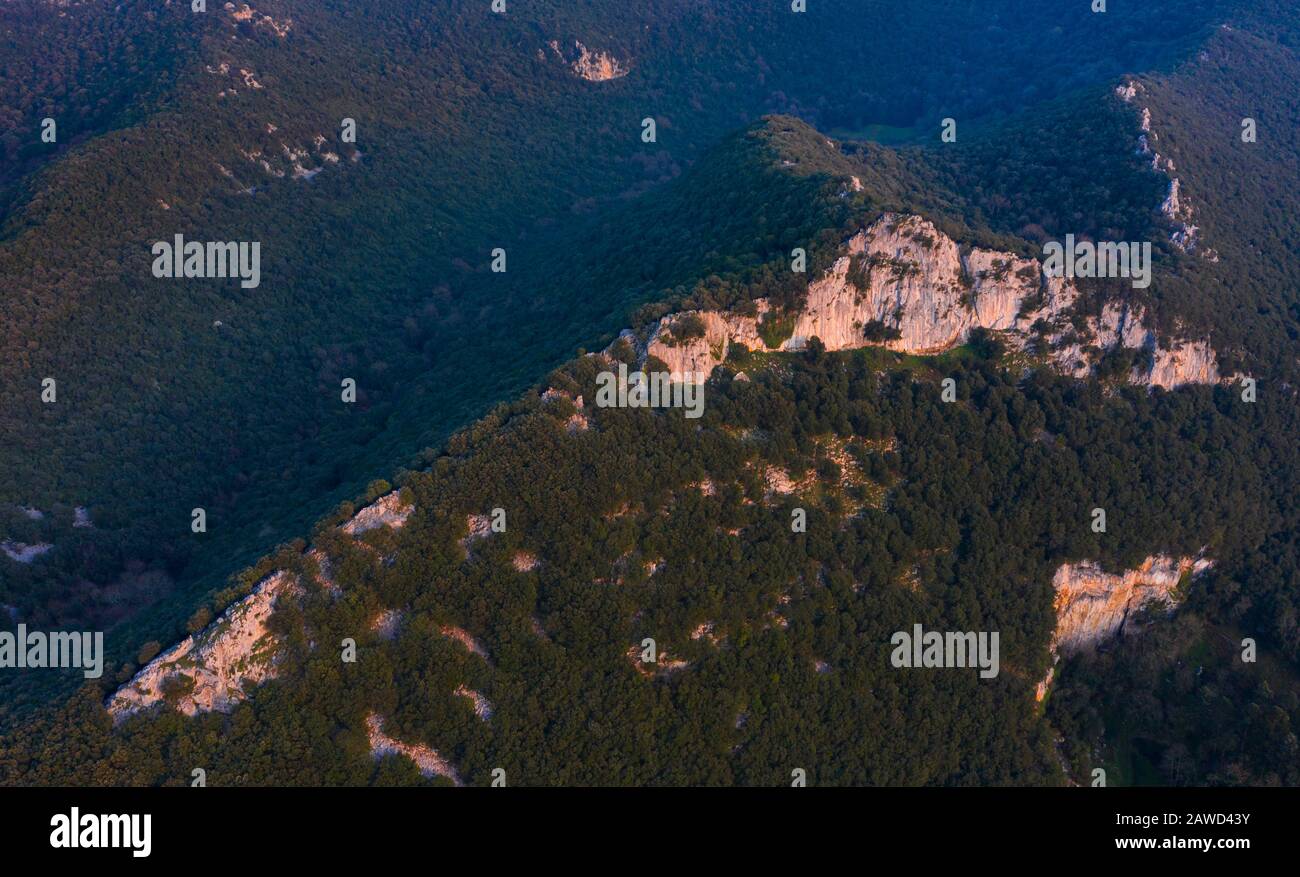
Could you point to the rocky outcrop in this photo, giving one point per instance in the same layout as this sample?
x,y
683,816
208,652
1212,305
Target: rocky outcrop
x,y
215,668
593,66
279,159
466,639
694,358
779,483
324,573
577,421
903,284
1093,606
1187,362
661,666
1191,363
707,631
426,759
1176,208
911,277
478,527
23,552
245,13
482,707
387,511
385,624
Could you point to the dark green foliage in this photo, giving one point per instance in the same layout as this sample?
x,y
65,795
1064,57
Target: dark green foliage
x,y
985,498
877,331
377,270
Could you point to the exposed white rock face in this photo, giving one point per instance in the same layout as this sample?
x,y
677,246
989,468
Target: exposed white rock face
x,y
1189,362
916,282
482,707
81,517
695,358
223,661
1175,206
387,511
1172,207
466,639
1192,362
386,623
324,576
707,631
662,666
426,759
244,12
577,421
779,482
1093,606
296,158
905,274
593,66
479,526
24,553
597,66
1040,690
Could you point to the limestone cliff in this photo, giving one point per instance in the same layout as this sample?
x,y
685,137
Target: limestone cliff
x,y
589,64
1093,606
426,758
914,286
213,669
1176,208
387,511
217,667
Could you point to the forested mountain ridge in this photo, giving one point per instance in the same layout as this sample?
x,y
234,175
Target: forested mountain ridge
x,y
773,644
594,225
473,134
625,524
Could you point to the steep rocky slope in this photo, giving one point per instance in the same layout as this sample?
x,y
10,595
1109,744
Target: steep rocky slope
x,y
903,273
216,667
1093,606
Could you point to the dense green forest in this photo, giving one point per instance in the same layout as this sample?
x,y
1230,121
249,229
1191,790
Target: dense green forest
x,y
472,136
982,498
